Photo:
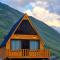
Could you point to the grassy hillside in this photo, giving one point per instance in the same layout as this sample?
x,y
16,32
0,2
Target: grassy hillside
x,y
9,16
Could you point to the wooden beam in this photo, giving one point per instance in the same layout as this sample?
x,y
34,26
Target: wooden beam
x,y
17,36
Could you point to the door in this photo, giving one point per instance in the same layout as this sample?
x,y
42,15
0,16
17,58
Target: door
x,y
25,47
25,44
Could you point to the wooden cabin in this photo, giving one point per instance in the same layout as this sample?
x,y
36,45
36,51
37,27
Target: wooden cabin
x,y
23,41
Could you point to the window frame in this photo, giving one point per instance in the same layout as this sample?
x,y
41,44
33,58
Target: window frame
x,y
11,45
21,45
35,42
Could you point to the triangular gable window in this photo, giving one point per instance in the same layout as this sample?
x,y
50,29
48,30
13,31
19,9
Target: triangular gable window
x,y
25,28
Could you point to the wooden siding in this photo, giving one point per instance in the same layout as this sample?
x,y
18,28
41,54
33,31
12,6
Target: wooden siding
x,y
26,37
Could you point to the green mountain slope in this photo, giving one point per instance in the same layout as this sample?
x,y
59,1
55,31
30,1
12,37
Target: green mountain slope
x,y
9,16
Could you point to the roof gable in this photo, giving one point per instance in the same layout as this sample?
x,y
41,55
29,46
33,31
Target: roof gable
x,y
25,28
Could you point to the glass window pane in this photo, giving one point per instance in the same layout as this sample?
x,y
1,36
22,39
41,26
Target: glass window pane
x,y
34,45
16,44
13,44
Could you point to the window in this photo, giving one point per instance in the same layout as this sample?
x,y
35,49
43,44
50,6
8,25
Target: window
x,y
25,28
15,45
20,44
34,45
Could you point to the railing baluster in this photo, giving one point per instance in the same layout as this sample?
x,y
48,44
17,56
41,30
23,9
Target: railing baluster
x,y
25,52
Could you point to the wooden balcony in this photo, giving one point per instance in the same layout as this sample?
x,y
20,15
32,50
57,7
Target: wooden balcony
x,y
25,53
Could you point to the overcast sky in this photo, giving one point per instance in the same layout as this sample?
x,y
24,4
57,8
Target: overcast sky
x,y
47,11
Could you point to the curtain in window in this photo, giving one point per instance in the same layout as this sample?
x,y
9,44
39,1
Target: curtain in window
x,y
16,44
34,45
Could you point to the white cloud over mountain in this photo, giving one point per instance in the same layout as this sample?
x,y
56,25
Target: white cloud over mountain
x,y
40,12
51,5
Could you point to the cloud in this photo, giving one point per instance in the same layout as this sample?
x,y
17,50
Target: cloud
x,y
51,5
41,12
40,3
29,12
44,15
56,28
16,4
13,2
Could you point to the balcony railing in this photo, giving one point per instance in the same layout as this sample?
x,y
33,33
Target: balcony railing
x,y
26,53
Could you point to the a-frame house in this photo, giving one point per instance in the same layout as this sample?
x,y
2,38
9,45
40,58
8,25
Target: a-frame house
x,y
23,41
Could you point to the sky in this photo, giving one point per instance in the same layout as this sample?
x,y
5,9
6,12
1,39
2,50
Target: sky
x,y
47,11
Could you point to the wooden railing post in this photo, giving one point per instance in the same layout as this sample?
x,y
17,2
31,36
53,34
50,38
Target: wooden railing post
x,y
25,52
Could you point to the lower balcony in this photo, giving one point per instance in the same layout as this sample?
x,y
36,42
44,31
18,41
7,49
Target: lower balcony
x,y
26,53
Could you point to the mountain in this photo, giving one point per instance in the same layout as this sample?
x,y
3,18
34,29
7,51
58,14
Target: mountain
x,y
9,16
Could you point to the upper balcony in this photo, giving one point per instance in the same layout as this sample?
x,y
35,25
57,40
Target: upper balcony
x,y
26,53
